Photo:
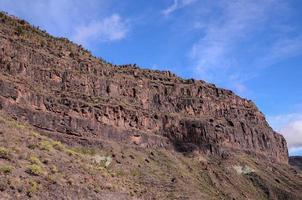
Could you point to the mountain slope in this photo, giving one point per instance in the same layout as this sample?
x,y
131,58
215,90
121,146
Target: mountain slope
x,y
127,132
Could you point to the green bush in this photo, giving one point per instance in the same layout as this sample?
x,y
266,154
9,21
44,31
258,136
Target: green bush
x,y
35,169
45,145
5,153
34,187
6,169
35,160
57,145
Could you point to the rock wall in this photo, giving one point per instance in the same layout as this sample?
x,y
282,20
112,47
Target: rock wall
x,y
58,86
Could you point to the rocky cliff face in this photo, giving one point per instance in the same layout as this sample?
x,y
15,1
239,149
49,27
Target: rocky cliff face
x,y
59,87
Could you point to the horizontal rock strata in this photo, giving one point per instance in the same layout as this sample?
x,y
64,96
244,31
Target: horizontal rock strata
x,y
58,86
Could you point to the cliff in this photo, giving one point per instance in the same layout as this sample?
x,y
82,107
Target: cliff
x,y
58,86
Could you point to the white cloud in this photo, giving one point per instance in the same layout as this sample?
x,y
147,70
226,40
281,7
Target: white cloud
x,y
290,126
109,29
224,38
85,21
280,121
293,134
177,4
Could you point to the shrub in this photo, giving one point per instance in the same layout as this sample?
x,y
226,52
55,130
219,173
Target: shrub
x,y
85,151
34,187
35,160
54,169
45,145
57,145
5,153
6,169
71,152
35,169
53,179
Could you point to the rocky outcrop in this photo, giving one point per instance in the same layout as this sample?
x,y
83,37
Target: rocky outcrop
x,y
58,86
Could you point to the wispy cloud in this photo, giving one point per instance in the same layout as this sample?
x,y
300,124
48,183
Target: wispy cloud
x,y
109,29
176,5
282,48
217,55
87,22
237,21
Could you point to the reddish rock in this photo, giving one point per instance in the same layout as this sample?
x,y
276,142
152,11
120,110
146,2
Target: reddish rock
x,y
58,86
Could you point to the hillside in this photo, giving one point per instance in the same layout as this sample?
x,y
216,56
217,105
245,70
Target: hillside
x,y
94,130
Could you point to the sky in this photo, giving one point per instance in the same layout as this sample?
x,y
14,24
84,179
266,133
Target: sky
x,y
253,47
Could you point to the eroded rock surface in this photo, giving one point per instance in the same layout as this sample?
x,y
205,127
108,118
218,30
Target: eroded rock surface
x,y
58,86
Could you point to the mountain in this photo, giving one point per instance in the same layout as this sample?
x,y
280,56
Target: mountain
x,y
77,127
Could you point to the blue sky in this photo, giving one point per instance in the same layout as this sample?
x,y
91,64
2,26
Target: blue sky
x,y
253,47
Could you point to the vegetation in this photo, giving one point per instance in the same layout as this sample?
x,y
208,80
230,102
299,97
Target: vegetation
x,y
6,169
45,145
54,169
86,150
35,169
71,152
33,189
5,153
57,145
35,160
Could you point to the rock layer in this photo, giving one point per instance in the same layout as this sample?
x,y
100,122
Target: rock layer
x,y
58,86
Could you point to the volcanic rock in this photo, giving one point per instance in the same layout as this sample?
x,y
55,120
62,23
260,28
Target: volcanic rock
x,y
58,86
